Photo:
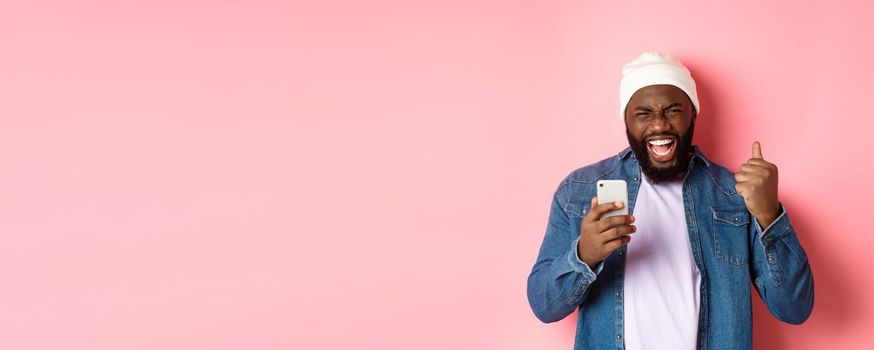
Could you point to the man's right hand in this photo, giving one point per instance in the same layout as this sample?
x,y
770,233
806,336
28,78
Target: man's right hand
x,y
599,238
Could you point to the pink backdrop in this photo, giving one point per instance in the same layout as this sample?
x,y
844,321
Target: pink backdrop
x,y
348,174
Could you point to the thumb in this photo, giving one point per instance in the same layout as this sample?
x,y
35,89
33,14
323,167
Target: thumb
x,y
757,150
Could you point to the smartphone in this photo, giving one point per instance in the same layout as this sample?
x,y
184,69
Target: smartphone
x,y
613,191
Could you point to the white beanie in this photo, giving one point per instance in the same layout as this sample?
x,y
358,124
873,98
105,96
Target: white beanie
x,y
653,68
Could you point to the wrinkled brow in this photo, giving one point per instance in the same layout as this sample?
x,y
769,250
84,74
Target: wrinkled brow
x,y
647,109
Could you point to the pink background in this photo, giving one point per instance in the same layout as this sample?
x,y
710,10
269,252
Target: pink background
x,y
377,174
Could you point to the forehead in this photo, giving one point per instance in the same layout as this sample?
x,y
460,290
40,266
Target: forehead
x,y
658,94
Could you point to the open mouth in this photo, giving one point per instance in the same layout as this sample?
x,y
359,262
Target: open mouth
x,y
662,148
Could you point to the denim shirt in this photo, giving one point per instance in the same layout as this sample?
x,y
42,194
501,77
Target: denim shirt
x,y
729,248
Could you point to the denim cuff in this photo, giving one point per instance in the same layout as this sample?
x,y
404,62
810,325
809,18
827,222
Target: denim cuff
x,y
581,267
775,230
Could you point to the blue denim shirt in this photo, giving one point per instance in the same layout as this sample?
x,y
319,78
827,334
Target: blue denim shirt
x,y
729,248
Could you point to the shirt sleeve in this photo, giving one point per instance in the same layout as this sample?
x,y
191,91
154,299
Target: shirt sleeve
x,y
559,280
781,271
581,267
761,232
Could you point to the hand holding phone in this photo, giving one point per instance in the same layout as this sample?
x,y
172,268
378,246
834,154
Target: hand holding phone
x,y
607,225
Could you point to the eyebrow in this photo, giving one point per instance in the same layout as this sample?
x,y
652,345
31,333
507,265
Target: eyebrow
x,y
647,109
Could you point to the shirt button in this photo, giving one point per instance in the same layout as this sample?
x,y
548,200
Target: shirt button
x,y
620,252
770,258
618,293
736,219
618,337
635,179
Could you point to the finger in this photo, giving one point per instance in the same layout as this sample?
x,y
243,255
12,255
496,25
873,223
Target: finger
x,y
594,204
742,177
606,223
757,150
616,243
600,209
761,162
740,188
618,231
753,169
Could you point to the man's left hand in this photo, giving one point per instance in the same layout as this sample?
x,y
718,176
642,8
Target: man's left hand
x,y
757,184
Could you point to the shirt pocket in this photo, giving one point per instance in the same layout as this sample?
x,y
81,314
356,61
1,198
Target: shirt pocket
x,y
730,234
576,210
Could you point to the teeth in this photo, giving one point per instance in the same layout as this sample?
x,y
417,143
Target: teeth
x,y
660,142
662,154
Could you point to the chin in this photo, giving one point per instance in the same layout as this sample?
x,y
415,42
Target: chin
x,y
663,166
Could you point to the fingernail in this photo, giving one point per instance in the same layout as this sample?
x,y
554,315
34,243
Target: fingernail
x,y
618,204
632,218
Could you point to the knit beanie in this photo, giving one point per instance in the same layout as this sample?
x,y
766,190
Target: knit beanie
x,y
653,68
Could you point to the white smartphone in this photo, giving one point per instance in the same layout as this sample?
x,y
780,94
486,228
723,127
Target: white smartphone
x,y
613,191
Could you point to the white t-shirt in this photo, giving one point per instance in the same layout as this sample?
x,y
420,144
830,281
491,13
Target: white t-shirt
x,y
662,282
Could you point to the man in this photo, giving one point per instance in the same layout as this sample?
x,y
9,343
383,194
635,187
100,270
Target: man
x,y
676,272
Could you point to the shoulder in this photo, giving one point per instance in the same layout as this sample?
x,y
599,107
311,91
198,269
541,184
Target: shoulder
x,y
587,175
722,177
592,172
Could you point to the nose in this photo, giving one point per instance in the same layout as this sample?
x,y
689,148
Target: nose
x,y
659,122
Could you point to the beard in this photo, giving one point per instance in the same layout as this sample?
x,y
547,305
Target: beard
x,y
681,158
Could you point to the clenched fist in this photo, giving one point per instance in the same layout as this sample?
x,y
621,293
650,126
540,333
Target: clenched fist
x,y
600,237
757,184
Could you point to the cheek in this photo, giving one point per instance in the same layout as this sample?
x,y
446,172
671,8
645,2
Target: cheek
x,y
682,126
635,130
639,134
